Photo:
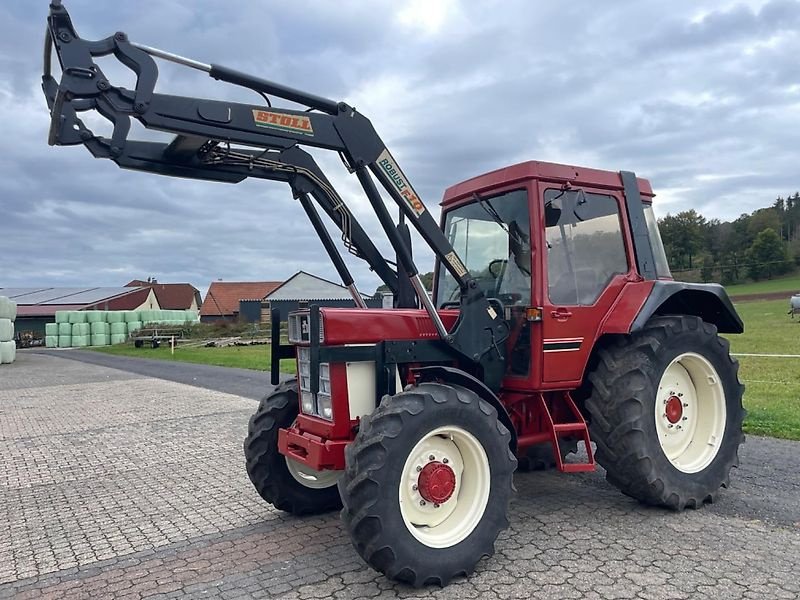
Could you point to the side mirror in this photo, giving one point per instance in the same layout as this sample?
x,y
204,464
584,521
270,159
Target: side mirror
x,y
552,215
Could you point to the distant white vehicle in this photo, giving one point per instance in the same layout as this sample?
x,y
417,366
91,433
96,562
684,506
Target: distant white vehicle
x,y
794,305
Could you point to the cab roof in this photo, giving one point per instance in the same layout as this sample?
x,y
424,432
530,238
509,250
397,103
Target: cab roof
x,y
545,171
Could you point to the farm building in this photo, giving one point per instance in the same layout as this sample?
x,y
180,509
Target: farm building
x,y
172,296
300,290
222,299
37,306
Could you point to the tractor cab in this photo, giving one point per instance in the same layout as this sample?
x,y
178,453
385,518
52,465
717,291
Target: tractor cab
x,y
551,245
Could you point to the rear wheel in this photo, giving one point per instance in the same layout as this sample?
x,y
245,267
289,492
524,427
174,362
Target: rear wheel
x,y
667,414
285,483
427,484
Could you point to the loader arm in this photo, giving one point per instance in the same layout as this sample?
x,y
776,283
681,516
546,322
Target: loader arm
x,y
228,142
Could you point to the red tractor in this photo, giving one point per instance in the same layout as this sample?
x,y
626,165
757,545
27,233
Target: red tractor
x,y
554,321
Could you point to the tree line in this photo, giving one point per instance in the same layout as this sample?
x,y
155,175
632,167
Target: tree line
x,y
758,245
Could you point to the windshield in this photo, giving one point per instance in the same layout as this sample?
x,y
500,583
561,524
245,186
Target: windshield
x,y
492,238
659,255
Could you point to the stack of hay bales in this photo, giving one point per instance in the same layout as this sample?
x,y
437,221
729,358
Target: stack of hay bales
x,y
8,314
78,329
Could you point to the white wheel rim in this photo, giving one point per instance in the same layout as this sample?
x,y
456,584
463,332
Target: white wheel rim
x,y
446,524
311,478
690,413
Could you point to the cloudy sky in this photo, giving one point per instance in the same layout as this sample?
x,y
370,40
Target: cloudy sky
x,y
701,97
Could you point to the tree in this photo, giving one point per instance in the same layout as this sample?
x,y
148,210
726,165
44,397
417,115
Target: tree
x,y
427,281
767,256
684,235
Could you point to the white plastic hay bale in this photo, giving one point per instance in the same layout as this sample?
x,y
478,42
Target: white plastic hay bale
x,y
115,316
51,341
51,329
192,315
77,316
62,316
101,339
95,316
100,327
6,330
118,338
134,326
64,329
81,329
65,341
8,352
80,341
119,328
8,308
131,316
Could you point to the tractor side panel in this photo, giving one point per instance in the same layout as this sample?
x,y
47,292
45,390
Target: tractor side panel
x,y
629,304
346,326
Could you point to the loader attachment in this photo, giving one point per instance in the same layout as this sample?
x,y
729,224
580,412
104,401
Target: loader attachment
x,y
228,142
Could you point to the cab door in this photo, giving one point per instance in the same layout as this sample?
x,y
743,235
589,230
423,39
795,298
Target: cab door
x,y
585,268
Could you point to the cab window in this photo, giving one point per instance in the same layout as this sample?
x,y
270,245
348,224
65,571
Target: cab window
x,y
585,247
492,237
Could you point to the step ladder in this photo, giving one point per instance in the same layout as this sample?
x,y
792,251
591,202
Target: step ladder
x,y
576,427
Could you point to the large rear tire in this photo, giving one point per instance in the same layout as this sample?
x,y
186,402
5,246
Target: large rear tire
x,y
427,484
666,408
286,484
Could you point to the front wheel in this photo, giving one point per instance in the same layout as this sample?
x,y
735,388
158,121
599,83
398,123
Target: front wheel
x,y
667,414
427,484
285,483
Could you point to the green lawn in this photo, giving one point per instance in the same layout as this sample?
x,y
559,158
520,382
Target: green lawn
x,y
772,384
244,357
790,283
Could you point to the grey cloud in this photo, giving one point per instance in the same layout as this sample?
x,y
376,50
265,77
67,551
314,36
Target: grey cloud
x,y
702,107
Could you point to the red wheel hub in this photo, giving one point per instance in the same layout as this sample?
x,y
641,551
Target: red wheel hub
x,y
674,409
436,482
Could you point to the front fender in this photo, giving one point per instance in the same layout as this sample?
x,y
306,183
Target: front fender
x,y
461,378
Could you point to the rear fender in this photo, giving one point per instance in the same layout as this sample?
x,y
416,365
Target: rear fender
x,y
709,301
458,377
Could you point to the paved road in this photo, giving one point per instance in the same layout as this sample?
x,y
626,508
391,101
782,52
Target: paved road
x,y
240,382
119,484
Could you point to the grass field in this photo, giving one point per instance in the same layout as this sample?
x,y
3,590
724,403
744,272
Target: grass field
x,y
790,283
244,357
772,384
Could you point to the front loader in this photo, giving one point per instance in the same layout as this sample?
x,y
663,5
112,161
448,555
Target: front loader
x,y
554,322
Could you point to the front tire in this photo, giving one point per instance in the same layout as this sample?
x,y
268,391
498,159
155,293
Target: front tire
x,y
285,483
666,408
427,484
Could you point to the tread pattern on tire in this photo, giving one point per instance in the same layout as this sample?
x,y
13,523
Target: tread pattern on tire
x,y
273,482
367,456
620,396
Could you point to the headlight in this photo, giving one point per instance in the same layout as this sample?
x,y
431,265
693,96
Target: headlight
x,y
324,406
321,405
307,402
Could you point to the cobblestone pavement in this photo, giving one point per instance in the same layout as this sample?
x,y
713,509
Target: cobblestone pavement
x,y
120,485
